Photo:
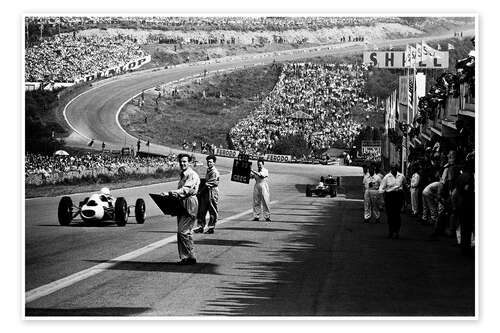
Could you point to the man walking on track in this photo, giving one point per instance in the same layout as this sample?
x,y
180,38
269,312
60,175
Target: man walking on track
x,y
186,192
209,197
372,181
392,187
261,195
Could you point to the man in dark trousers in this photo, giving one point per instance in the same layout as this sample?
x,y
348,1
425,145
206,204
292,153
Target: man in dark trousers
x,y
209,198
392,188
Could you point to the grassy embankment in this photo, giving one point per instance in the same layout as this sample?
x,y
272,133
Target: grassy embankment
x,y
190,116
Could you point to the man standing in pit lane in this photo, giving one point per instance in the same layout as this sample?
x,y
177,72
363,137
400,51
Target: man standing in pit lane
x,y
186,192
261,195
210,198
371,182
392,187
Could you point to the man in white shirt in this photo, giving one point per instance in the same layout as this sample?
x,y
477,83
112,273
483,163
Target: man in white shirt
x,y
432,205
371,182
261,195
414,184
392,187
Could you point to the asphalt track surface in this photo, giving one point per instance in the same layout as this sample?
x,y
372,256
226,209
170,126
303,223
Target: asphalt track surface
x,y
314,259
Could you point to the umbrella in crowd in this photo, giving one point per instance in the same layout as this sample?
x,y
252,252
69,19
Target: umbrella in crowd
x,y
301,115
61,153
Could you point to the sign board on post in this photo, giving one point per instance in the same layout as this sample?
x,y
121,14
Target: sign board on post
x,y
241,169
371,150
396,59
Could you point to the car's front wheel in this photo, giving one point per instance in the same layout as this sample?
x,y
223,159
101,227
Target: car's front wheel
x,y
121,211
65,211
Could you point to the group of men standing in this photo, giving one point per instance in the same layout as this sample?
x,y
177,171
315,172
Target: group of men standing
x,y
447,201
443,200
188,191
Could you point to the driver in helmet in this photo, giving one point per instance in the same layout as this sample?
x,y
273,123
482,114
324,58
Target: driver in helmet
x,y
106,196
321,184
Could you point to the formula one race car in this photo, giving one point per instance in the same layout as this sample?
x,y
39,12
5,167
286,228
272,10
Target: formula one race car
x,y
100,207
326,186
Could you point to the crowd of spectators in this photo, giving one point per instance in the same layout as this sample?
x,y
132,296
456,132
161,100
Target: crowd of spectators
x,y
248,23
65,57
311,100
442,186
37,164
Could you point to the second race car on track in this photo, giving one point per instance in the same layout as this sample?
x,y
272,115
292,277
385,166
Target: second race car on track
x,y
100,207
326,186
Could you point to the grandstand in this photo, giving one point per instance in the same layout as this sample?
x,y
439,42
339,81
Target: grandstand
x,y
326,93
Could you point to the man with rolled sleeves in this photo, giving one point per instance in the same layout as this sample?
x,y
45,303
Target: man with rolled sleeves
x,y
210,198
186,192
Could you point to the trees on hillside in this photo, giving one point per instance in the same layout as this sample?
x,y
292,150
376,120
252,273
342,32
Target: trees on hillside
x,y
40,124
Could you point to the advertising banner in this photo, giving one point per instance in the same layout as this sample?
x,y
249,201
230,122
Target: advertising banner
x,y
278,158
226,152
397,59
115,70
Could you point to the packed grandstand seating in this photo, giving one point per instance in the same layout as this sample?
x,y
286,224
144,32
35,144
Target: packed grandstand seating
x,y
66,56
216,23
37,164
326,93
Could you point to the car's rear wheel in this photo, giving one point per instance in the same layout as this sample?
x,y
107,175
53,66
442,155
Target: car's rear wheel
x,y
140,211
121,211
65,211
308,191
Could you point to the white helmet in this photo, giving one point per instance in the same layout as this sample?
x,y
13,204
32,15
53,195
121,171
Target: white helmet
x,y
105,191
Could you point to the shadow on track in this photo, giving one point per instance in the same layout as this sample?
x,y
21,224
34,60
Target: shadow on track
x,y
337,266
81,224
85,312
147,266
252,229
225,242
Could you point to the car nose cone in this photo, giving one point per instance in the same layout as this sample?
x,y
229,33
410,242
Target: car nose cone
x,y
88,213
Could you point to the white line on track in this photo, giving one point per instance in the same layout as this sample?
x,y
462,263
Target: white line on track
x,y
54,286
